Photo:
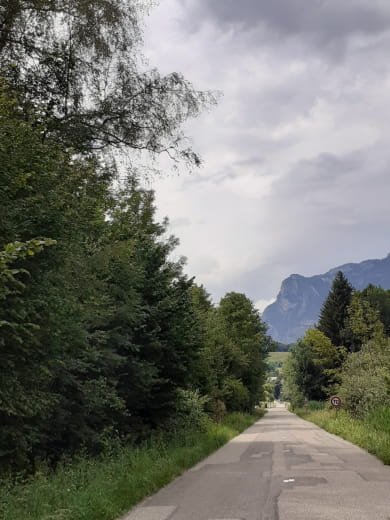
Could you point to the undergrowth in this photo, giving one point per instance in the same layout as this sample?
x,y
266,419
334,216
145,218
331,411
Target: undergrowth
x,y
104,488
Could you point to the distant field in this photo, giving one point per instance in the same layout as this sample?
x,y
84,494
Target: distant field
x,y
278,356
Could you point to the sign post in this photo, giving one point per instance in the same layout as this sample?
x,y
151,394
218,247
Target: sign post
x,y
335,402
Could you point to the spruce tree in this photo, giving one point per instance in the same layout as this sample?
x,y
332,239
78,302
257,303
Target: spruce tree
x,y
334,310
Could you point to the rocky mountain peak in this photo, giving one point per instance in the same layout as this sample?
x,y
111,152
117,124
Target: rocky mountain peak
x,y
300,298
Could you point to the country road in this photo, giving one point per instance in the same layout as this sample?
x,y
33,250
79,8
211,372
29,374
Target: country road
x,y
280,468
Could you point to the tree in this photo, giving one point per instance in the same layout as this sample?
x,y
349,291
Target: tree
x,y
379,299
46,192
302,376
77,63
99,334
327,357
365,380
203,377
246,333
153,325
362,323
23,388
334,310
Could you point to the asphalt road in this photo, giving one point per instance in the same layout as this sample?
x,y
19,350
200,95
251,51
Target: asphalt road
x,y
281,468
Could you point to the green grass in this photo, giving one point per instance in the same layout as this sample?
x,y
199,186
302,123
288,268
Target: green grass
x,y
280,357
371,433
105,488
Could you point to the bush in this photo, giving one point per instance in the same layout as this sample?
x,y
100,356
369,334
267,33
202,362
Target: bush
x,y
217,410
190,412
236,395
365,379
259,412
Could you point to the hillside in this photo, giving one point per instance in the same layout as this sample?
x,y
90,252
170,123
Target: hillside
x,y
300,298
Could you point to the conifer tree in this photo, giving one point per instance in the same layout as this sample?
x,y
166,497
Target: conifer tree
x,y
334,310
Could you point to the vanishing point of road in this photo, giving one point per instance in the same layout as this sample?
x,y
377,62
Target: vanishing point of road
x,y
281,468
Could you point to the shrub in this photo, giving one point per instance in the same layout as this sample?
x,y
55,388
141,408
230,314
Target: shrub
x,y
365,378
236,395
190,412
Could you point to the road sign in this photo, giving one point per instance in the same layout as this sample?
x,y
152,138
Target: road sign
x,y
335,401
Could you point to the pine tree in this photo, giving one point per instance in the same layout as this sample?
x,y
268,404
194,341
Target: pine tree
x,y
334,310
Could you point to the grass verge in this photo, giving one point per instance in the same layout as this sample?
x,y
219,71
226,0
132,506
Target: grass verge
x,y
105,488
371,433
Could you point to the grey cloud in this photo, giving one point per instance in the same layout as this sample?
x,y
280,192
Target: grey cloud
x,y
331,201
180,222
291,113
325,171
323,21
257,283
206,264
279,102
218,178
250,161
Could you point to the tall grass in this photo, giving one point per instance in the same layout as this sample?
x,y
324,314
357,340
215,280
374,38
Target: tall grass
x,y
371,433
103,489
317,405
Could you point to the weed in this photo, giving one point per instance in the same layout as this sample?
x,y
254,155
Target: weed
x,y
371,433
104,488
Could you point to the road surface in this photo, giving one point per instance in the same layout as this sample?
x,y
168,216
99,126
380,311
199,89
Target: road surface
x,y
281,468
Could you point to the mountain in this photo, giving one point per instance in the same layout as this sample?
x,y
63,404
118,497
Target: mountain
x,y
300,298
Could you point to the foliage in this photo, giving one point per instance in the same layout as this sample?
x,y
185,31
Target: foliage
x,y
103,338
362,323
248,332
303,376
235,350
316,405
190,412
357,368
236,394
379,299
23,391
327,357
334,310
282,347
103,333
104,488
78,64
365,379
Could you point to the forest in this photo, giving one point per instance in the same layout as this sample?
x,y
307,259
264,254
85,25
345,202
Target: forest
x,y
347,353
103,337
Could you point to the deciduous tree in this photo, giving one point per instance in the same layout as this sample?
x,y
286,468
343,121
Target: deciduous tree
x,y
78,63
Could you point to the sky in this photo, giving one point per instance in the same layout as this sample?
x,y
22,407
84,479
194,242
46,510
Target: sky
x,y
296,156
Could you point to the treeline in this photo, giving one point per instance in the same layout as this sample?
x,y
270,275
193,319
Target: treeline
x,y
347,353
102,335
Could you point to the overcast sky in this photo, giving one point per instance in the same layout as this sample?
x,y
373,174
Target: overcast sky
x,y
296,175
